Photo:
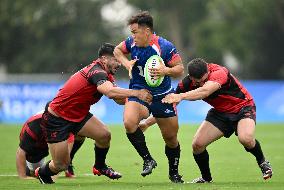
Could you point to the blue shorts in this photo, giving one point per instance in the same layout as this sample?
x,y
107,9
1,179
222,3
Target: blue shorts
x,y
157,108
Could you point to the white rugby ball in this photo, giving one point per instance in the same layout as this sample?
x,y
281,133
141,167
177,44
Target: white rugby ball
x,y
153,62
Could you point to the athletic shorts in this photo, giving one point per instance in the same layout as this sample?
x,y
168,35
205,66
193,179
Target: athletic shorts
x,y
33,166
157,108
227,123
58,129
35,151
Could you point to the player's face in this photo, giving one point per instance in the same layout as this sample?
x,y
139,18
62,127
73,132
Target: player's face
x,y
140,34
200,82
112,64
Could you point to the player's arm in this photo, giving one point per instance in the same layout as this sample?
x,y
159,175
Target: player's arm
x,y
121,57
107,88
143,125
176,68
21,163
197,94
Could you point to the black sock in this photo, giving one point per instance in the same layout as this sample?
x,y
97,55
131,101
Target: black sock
x,y
257,152
45,170
76,146
202,161
137,139
173,155
100,155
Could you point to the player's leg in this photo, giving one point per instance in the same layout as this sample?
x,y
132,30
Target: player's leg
x,y
206,134
134,112
99,132
60,161
246,135
169,129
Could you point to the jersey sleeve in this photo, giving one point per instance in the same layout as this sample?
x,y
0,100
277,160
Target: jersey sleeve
x,y
97,77
183,85
171,53
220,76
126,46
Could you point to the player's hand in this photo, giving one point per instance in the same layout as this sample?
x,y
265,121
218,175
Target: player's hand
x,y
131,64
145,96
172,98
161,70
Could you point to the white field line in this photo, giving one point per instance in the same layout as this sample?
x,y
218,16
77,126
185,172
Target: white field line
x,y
15,175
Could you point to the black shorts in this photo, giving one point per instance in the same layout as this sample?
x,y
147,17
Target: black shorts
x,y
58,129
227,123
34,151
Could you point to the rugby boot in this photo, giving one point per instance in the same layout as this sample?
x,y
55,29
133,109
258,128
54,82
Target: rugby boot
x,y
148,166
107,171
43,178
266,170
176,178
201,180
70,171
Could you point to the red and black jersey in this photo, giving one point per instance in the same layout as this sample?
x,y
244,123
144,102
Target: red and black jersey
x,y
32,139
231,96
74,99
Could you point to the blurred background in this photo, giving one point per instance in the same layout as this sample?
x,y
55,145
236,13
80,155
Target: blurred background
x,y
43,42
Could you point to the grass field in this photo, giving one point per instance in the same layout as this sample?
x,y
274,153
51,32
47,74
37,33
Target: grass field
x,y
232,167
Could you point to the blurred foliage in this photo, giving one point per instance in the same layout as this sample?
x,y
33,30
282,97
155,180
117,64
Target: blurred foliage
x,y
62,35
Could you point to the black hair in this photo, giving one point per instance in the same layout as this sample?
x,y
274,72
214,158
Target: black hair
x,y
106,49
143,18
196,68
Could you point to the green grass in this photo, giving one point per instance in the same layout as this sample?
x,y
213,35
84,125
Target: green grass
x,y
232,167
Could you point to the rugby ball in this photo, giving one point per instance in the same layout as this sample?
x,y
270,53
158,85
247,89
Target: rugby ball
x,y
153,62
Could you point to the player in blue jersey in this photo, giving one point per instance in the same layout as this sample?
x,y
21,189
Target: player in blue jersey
x,y
142,45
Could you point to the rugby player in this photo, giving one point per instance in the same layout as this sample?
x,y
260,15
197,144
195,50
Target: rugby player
x,y
69,112
141,46
233,111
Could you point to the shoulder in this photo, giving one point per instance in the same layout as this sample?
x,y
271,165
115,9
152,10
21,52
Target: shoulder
x,y
217,73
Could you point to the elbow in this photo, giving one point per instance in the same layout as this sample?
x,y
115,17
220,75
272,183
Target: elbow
x,y
180,71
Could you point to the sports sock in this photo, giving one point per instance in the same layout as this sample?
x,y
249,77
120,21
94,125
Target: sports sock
x,y
137,139
202,161
76,146
173,155
257,152
100,157
45,170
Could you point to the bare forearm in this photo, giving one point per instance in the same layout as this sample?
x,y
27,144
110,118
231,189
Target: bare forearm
x,y
119,93
175,71
21,163
197,94
121,58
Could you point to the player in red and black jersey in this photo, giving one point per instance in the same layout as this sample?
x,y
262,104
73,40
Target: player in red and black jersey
x,y
33,147
233,111
69,112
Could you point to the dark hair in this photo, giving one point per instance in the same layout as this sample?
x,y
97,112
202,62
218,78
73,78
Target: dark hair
x,y
143,18
106,49
197,68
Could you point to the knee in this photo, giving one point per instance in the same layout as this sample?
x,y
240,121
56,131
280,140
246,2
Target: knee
x,y
130,125
198,146
171,140
247,141
105,138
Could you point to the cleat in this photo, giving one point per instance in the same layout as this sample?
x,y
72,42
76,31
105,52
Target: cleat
x,y
107,171
70,171
176,178
42,178
148,166
266,170
201,180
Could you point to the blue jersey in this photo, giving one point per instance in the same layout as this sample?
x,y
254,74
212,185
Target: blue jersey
x,y
158,46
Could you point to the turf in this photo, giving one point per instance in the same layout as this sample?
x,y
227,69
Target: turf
x,y
232,167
